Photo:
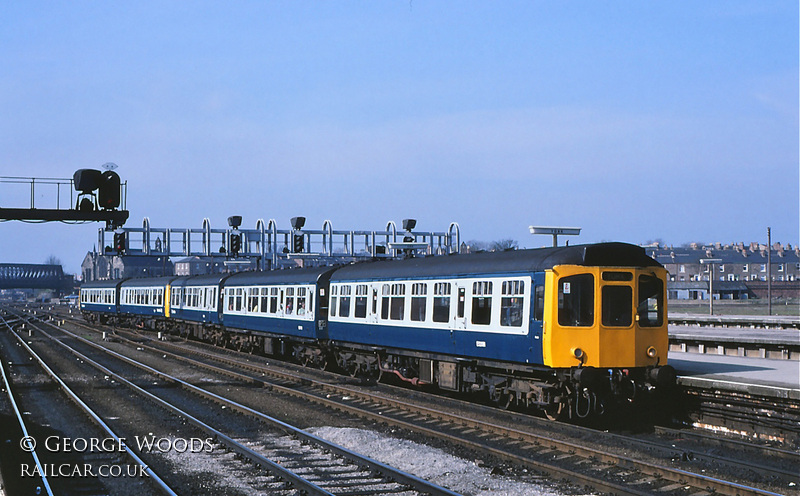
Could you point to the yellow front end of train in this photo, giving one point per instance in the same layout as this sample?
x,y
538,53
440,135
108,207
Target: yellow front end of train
x,y
605,317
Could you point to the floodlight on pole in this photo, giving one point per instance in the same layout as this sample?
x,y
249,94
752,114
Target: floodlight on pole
x,y
555,231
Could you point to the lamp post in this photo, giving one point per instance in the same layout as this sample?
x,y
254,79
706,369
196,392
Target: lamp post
x,y
710,262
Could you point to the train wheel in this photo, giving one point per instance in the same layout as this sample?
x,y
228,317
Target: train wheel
x,y
555,411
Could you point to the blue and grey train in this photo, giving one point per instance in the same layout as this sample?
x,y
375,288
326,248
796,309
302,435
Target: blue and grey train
x,y
568,330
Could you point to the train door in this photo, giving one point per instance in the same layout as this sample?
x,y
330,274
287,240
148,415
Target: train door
x,y
372,313
537,315
460,320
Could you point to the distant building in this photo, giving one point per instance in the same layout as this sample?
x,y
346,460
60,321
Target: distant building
x,y
193,266
741,273
99,267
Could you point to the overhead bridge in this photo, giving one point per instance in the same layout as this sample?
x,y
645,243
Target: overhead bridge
x,y
33,276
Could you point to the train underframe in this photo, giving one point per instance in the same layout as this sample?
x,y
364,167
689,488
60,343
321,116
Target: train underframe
x,y
564,393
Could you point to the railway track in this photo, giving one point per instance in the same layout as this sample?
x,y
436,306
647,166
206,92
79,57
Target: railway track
x,y
304,463
584,463
57,469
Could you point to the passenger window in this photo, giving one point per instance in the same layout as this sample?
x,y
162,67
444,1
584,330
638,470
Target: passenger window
x,y
617,303
334,299
441,302
289,301
398,304
385,302
482,303
361,301
273,300
344,301
650,308
419,292
576,300
511,303
301,301
264,300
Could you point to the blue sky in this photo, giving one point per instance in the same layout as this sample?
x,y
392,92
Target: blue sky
x,y
633,120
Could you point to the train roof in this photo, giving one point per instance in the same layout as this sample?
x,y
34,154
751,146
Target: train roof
x,y
147,282
108,283
513,261
200,280
308,275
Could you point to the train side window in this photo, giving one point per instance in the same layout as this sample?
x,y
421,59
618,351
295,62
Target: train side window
x,y
252,299
617,306
361,301
289,301
538,303
344,301
511,303
482,302
576,300
419,296
650,307
398,303
441,301
264,293
273,300
385,301
301,301
461,299
334,299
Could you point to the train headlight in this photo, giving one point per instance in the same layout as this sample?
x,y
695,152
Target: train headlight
x,y
652,352
578,353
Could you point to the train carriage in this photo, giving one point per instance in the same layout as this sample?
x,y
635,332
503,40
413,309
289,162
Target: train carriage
x,y
527,326
196,299
145,300
99,300
282,308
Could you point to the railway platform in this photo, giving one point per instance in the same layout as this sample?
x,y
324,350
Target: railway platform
x,y
762,376
748,342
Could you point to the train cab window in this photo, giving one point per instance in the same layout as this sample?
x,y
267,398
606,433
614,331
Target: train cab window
x,y
576,300
419,296
650,307
482,302
361,301
441,301
344,301
511,303
617,306
398,303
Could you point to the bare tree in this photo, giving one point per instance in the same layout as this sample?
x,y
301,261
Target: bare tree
x,y
53,260
504,244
